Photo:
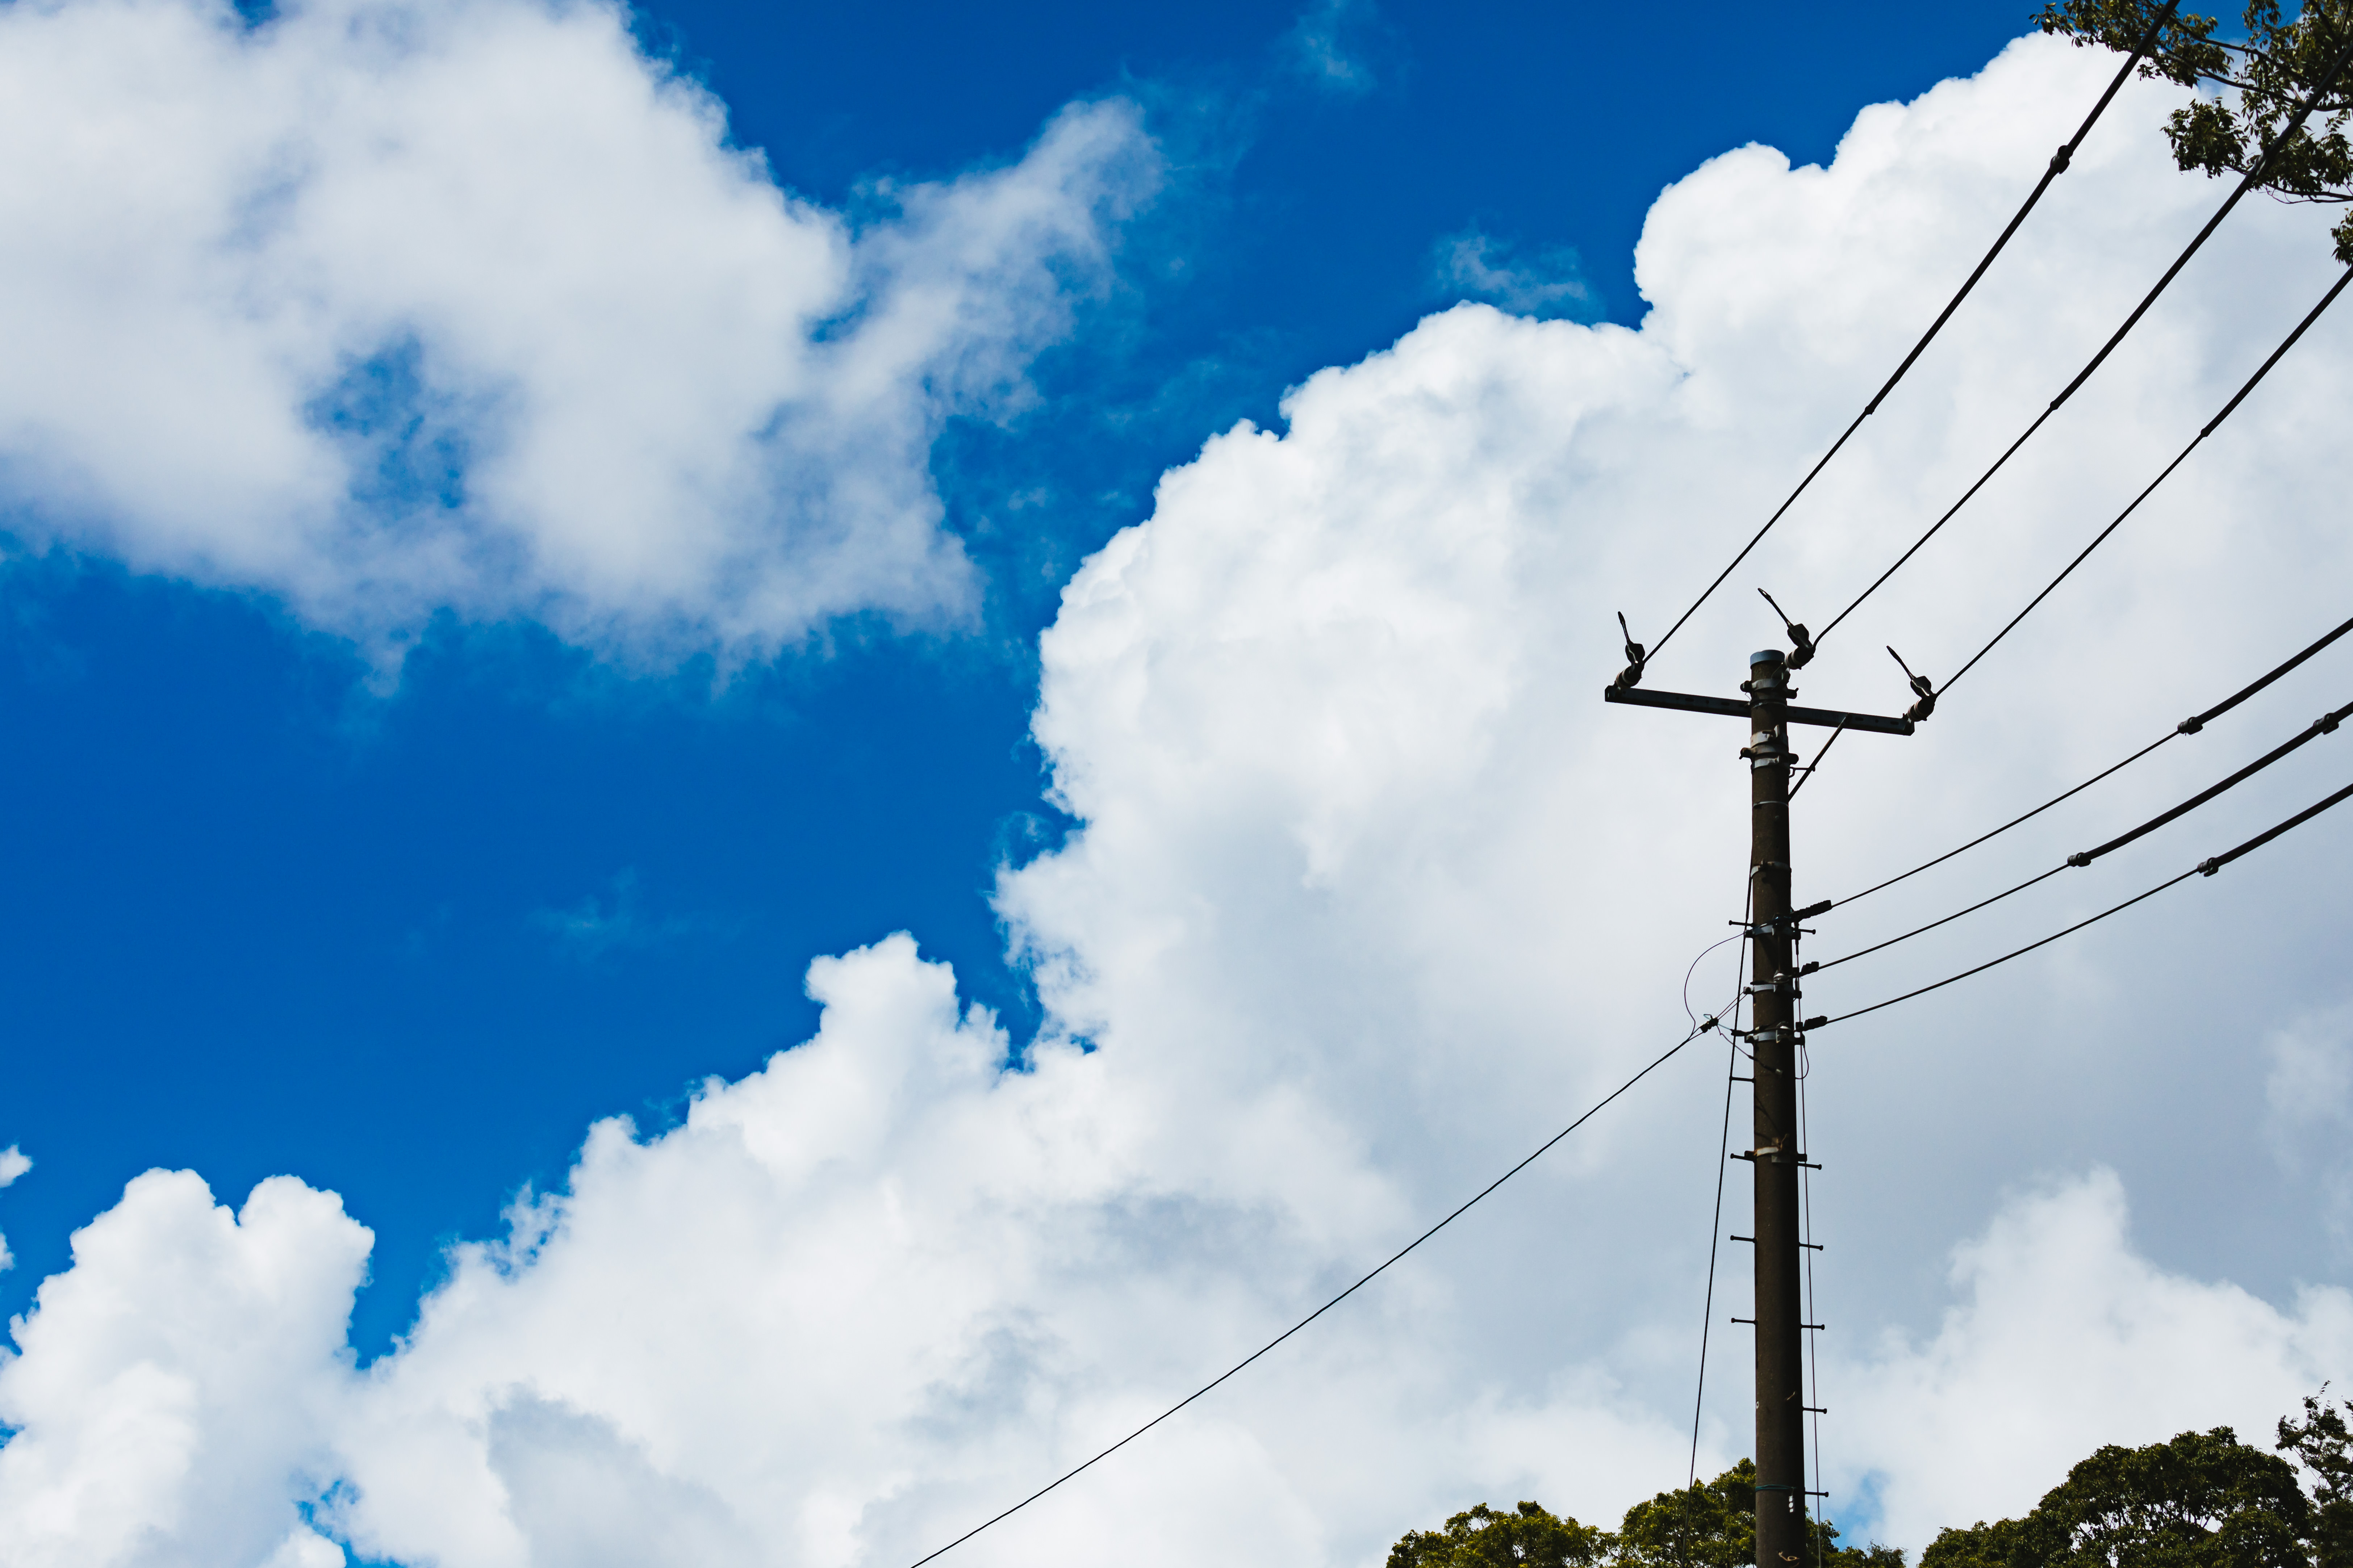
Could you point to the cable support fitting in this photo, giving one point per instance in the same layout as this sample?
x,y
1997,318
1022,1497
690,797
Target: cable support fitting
x,y
1774,1157
1801,644
1631,675
1921,685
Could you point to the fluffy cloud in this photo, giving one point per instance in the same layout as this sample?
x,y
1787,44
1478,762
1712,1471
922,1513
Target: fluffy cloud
x,y
1964,1425
1373,894
385,306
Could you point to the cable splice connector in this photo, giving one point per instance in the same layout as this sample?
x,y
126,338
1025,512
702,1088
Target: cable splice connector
x,y
1631,675
1921,685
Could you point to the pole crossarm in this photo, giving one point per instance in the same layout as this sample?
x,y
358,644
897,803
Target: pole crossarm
x,y
1733,708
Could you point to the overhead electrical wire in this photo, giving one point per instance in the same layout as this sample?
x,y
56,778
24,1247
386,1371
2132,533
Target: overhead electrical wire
x,y
2057,166
1723,1158
2327,725
2253,177
2101,538
2192,725
1592,1111
2206,868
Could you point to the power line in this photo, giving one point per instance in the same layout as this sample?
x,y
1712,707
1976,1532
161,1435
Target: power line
x,y
2326,724
2204,867
2288,343
2057,166
1591,1112
1723,1161
2190,726
2253,177
1932,925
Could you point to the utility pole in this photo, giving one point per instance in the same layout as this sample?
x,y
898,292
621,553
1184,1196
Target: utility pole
x,y
1776,1157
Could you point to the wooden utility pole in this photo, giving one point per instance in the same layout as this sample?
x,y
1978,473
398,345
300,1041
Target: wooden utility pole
x,y
1776,1157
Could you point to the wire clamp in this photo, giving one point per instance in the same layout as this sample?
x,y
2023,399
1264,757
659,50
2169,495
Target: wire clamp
x,y
2208,866
1921,685
1631,675
2080,857
1801,646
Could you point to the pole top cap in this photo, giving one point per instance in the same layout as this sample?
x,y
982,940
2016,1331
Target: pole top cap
x,y
1769,655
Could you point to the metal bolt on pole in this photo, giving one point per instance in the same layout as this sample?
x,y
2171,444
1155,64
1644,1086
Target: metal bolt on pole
x,y
1774,1161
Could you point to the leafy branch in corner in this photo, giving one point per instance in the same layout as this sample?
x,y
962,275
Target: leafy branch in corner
x,y
2252,91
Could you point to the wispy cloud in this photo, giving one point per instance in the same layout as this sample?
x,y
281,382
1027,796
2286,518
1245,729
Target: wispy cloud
x,y
1323,45
617,920
1548,282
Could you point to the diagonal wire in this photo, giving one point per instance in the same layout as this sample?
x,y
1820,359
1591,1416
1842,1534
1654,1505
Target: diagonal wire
x,y
1594,1110
2327,725
2203,869
2057,166
1956,914
2253,177
1715,1225
2313,315
2192,725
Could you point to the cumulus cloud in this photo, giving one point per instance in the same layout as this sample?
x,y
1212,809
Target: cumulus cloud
x,y
1963,1425
1371,894
384,307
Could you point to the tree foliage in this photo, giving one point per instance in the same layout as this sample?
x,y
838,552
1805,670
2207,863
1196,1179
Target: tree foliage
x,y
2319,1443
2255,90
1481,1538
1711,1524
2203,1500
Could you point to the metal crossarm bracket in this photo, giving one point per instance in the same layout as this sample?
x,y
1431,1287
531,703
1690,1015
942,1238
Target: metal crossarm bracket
x,y
1733,708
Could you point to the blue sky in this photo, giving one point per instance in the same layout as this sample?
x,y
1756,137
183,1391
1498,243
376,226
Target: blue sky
x,y
406,943
539,536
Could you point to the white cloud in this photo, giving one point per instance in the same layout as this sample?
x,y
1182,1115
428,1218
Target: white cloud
x,y
1373,894
179,1386
385,306
2068,1339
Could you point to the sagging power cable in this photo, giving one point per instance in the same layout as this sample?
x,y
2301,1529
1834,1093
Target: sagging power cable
x,y
2212,425
1592,1111
2056,167
2253,177
2327,725
2203,869
2192,725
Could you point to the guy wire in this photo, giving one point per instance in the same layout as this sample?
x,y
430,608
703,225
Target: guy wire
x,y
1594,1110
